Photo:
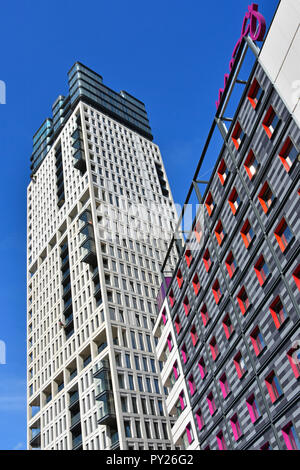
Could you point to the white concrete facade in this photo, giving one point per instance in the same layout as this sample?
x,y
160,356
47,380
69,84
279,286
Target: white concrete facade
x,y
279,55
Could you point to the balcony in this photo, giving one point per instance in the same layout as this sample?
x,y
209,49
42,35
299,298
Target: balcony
x,y
75,421
97,289
70,331
65,274
68,307
74,399
114,445
88,250
61,199
107,414
103,383
77,442
64,261
86,217
68,320
101,365
63,250
79,160
35,440
66,289
86,233
77,134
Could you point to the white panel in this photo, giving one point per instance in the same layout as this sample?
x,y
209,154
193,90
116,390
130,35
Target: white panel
x,y
280,36
288,81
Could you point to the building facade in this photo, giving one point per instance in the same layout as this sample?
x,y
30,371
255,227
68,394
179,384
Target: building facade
x,y
228,328
99,223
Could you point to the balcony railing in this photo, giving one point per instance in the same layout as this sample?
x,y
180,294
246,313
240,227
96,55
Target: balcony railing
x,y
101,365
88,251
77,442
35,440
75,419
74,398
107,414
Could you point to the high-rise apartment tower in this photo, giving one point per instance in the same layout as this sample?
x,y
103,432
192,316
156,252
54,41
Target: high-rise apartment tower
x,y
100,214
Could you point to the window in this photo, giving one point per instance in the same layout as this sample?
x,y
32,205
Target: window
x,y
266,197
188,436
184,354
271,122
234,201
194,335
273,386
217,291
207,261
231,265
209,203
221,441
243,300
170,342
278,312
186,305
192,385
253,408
177,324
296,276
176,370
127,428
182,401
262,270
240,365
290,437
255,93
179,279
220,233
223,172
199,419
198,232
140,382
202,368
294,358
204,314
196,284
164,316
257,341
238,136
251,165
288,154
211,403
224,386
188,257
228,326
247,234
214,348
172,298
283,235
236,428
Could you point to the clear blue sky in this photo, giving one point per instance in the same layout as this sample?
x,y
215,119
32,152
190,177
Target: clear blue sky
x,y
170,54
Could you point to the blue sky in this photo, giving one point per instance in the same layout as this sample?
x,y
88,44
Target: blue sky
x,y
170,54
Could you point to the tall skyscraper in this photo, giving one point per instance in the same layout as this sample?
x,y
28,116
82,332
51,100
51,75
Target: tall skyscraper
x,y
228,328
99,223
